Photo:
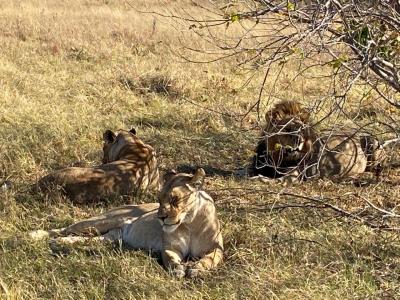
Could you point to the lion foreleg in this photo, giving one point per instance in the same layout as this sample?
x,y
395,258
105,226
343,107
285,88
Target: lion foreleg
x,y
172,261
291,178
207,262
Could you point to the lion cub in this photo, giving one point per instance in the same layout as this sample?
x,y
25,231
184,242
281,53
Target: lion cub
x,y
183,225
128,164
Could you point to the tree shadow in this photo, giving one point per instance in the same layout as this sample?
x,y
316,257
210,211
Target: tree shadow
x,y
210,170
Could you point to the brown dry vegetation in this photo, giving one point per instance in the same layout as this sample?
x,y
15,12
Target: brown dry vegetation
x,y
71,69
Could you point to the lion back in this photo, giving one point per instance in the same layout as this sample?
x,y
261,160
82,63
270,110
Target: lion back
x,y
150,176
144,158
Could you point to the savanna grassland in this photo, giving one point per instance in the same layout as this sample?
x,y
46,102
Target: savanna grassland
x,y
71,69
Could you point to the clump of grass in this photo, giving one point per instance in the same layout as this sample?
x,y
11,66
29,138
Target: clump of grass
x,y
79,54
159,84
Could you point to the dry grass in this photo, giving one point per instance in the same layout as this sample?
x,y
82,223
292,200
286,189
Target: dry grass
x,y
71,69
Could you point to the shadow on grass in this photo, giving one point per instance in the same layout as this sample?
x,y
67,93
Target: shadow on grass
x,y
219,153
210,170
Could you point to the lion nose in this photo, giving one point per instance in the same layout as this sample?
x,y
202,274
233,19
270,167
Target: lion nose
x,y
162,214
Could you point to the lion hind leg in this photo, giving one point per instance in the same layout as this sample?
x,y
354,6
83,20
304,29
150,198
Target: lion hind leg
x,y
101,227
113,236
95,227
38,235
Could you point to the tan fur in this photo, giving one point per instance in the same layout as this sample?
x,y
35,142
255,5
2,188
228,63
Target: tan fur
x,y
337,154
128,165
183,225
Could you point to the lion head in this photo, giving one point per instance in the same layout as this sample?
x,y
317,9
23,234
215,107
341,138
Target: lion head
x,y
126,147
178,199
287,140
124,144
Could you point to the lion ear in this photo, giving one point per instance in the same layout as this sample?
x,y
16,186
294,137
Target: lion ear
x,y
168,175
198,178
133,131
109,136
304,115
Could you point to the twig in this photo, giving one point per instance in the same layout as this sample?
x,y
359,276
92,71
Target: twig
x,y
387,213
5,289
323,204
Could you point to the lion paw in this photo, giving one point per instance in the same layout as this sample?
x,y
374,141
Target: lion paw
x,y
193,272
178,271
37,235
288,180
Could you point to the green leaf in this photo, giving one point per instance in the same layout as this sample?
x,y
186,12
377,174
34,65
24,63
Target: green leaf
x,y
290,6
235,17
297,50
337,63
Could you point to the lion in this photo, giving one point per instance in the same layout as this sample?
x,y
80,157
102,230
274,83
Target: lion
x,y
184,224
287,140
291,148
128,165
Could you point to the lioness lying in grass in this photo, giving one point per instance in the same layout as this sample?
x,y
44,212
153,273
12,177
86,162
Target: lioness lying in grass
x,y
183,225
128,164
